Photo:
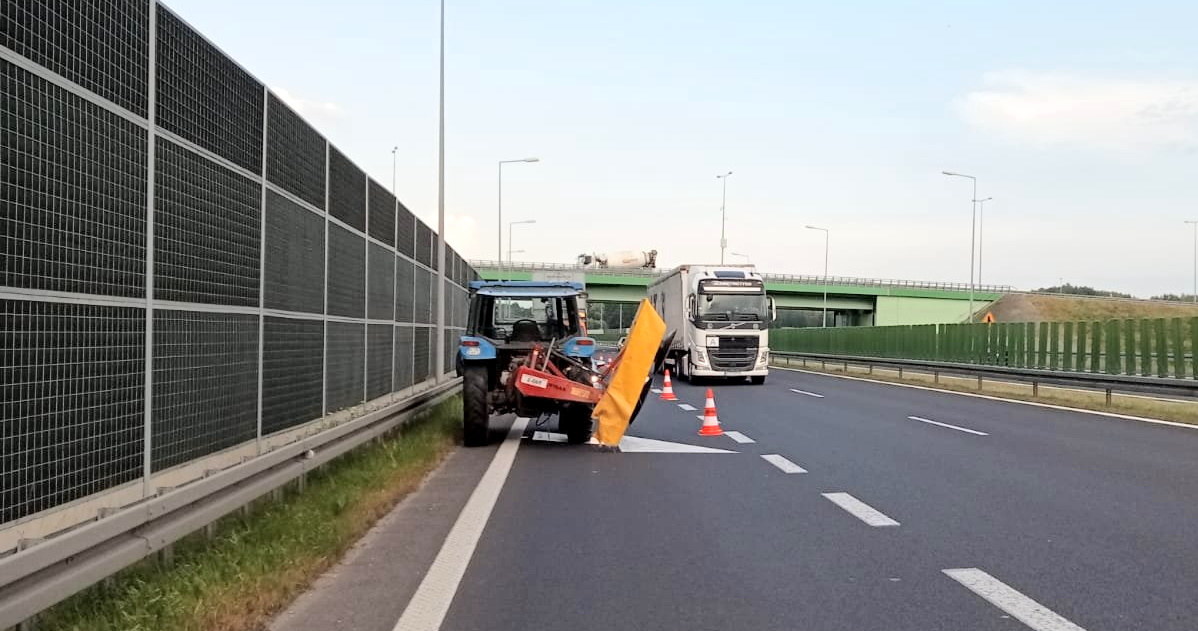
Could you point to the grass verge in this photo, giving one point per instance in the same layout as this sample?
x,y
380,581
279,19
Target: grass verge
x,y
256,565
1133,405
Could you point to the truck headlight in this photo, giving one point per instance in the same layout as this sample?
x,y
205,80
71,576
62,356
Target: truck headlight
x,y
763,357
700,356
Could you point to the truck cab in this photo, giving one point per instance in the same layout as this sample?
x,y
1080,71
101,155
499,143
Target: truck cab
x,y
720,316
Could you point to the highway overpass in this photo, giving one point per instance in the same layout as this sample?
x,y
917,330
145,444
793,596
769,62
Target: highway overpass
x,y
800,299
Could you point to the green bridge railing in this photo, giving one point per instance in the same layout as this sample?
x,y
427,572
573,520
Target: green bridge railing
x,y
1162,347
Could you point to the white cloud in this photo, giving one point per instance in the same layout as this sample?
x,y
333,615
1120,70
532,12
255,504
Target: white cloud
x,y
315,111
1062,109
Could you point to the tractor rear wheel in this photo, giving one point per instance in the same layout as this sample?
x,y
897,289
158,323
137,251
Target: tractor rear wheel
x,y
575,422
474,406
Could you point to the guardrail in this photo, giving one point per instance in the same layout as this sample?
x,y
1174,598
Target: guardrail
x,y
523,266
43,574
1094,381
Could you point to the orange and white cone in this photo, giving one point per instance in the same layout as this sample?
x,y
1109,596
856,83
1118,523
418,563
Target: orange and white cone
x,y
667,389
711,422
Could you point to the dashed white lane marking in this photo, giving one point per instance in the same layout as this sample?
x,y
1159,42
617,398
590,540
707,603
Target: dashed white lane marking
x,y
956,427
1003,596
550,437
782,463
633,444
860,510
426,611
655,390
688,407
810,394
739,437
1048,406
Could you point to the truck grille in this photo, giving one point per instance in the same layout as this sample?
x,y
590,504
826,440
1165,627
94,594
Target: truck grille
x,y
738,341
733,359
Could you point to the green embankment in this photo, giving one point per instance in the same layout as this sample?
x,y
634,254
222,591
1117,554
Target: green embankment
x,y
254,566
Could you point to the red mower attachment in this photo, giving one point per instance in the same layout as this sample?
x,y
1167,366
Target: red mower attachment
x,y
551,383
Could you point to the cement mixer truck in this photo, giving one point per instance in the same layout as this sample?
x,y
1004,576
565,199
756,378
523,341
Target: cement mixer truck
x,y
618,260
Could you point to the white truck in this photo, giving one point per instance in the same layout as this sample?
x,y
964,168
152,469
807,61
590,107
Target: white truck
x,y
720,317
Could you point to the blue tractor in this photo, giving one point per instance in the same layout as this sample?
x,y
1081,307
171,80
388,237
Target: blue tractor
x,y
526,351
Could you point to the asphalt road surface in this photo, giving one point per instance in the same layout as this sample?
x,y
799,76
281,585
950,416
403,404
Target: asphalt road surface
x,y
835,504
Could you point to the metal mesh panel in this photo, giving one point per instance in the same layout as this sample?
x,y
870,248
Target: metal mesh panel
x,y
382,214
405,231
206,230
423,294
347,273
73,199
381,283
378,360
403,357
346,350
404,289
424,250
294,154
347,190
294,244
451,348
205,97
205,384
421,354
71,411
292,372
102,45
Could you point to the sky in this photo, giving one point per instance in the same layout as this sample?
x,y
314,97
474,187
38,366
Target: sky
x,y
1079,119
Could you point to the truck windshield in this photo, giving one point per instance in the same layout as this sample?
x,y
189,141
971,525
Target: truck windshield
x,y
732,307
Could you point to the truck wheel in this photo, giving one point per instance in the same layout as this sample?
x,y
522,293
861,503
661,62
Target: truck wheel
x,y
575,422
757,381
474,406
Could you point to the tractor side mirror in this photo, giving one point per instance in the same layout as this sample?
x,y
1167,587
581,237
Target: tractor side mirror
x,y
690,306
773,309
623,341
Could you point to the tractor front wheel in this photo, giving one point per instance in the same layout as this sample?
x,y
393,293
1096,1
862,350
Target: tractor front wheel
x,y
474,406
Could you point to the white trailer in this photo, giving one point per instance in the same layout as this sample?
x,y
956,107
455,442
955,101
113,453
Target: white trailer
x,y
720,317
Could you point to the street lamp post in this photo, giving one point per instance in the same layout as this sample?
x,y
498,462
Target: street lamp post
x,y
981,234
499,253
1194,223
440,315
509,236
723,214
393,150
973,233
827,236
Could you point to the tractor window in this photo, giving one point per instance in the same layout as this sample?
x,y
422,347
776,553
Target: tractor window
x,y
556,318
509,310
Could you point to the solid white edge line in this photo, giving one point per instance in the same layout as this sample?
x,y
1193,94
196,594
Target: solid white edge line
x,y
782,463
860,510
810,394
426,611
1006,598
688,407
1154,421
950,426
739,437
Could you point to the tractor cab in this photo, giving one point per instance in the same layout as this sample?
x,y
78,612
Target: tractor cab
x,y
522,312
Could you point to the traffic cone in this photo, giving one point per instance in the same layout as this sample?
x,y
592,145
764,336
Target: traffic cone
x,y
711,422
667,389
